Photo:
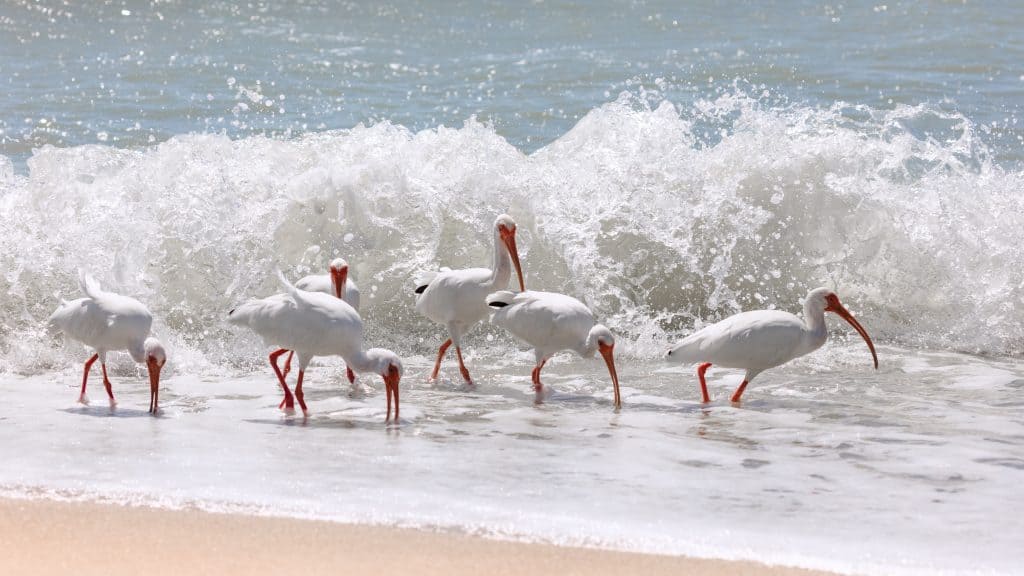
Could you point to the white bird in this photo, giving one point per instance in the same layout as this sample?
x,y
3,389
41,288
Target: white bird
x,y
108,322
551,323
456,298
316,324
335,282
762,339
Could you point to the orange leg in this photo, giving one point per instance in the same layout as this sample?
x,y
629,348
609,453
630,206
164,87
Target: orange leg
x,y
739,391
298,392
106,383
288,364
440,356
387,390
462,367
351,375
85,377
288,402
537,386
704,385
394,388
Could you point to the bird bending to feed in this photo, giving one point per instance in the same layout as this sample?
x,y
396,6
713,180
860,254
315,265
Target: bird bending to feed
x,y
335,282
762,339
107,322
316,324
551,323
456,298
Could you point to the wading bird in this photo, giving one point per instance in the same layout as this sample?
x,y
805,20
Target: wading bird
x,y
551,323
335,282
316,324
456,298
108,322
762,339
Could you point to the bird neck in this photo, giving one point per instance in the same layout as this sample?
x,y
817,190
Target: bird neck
x,y
501,269
137,350
588,347
814,318
362,362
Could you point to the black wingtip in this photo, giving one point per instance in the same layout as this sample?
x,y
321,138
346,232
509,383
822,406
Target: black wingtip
x,y
232,311
420,289
497,304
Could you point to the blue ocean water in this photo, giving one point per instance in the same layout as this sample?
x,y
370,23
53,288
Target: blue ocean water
x,y
128,74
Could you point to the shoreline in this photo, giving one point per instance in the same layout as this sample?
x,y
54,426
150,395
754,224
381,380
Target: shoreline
x,y
55,537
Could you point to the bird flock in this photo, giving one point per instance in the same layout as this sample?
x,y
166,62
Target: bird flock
x,y
318,316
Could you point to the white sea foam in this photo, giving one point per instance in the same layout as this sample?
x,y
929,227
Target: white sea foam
x,y
659,219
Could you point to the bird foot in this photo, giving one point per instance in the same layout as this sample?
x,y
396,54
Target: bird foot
x,y
113,403
83,400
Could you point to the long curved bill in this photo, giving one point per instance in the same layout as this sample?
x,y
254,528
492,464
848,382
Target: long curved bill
x,y
154,384
509,239
609,359
338,279
845,315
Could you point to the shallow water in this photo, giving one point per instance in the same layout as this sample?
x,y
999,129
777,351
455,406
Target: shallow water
x,y
913,469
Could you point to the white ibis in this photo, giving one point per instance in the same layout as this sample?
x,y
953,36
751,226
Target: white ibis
x,y
551,323
108,322
335,282
316,324
762,339
456,298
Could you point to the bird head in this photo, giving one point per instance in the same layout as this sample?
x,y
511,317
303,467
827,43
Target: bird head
x,y
505,227
825,300
339,274
602,340
156,357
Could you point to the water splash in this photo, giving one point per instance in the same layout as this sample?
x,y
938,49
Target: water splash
x,y
658,218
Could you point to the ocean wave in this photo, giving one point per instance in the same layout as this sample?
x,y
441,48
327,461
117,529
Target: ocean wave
x,y
660,218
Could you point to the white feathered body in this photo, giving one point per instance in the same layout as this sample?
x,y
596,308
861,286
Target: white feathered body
x,y
457,297
322,283
105,321
310,323
547,321
756,340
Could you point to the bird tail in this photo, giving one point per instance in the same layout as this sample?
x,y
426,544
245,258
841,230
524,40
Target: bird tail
x,y
685,352
295,293
90,287
424,280
241,314
500,299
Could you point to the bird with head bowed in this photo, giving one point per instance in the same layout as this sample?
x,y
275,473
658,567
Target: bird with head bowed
x,y
762,339
108,322
316,324
551,323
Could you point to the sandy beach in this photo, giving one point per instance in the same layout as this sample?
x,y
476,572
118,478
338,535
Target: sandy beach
x,y
48,537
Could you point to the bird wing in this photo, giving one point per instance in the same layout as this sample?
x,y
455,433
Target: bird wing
x,y
760,339
547,321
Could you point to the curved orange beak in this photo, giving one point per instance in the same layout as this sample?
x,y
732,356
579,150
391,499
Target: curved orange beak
x,y
338,279
609,359
508,236
835,306
154,383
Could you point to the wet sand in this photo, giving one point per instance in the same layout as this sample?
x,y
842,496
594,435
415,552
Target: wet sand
x,y
49,537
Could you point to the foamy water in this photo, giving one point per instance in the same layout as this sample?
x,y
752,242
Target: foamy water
x,y
913,469
667,166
